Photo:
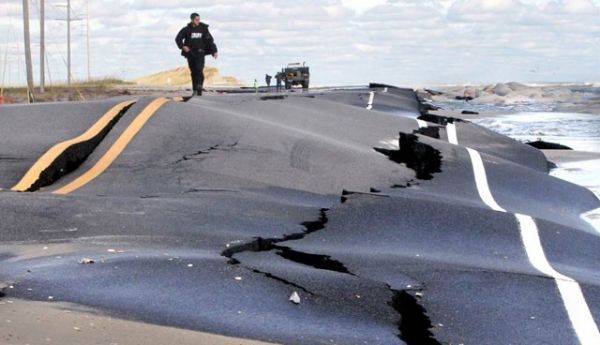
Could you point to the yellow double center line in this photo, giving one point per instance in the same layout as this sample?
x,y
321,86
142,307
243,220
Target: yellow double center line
x,y
44,162
115,150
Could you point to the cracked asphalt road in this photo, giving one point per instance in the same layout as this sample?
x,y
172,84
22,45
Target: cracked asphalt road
x,y
207,215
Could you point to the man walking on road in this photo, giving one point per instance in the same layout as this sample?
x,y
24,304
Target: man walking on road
x,y
195,42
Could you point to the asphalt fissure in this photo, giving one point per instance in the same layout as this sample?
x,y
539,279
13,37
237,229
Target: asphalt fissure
x,y
414,324
284,281
322,262
259,244
207,151
72,157
420,157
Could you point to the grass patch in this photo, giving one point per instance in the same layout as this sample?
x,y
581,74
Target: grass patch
x,y
94,83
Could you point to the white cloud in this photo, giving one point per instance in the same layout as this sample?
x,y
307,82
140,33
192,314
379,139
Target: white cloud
x,y
578,7
482,6
345,42
361,6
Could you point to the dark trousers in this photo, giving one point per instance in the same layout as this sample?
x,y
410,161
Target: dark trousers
x,y
196,64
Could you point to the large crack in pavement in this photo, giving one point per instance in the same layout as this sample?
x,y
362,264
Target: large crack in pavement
x,y
260,244
414,324
422,158
429,131
439,119
73,156
322,262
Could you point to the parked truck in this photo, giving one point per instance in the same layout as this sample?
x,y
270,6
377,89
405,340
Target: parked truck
x,y
295,74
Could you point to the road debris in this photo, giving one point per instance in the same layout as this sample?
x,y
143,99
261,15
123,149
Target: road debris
x,y
295,298
86,261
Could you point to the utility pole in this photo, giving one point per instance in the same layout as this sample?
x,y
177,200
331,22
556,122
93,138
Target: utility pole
x,y
42,47
69,20
88,39
28,51
69,42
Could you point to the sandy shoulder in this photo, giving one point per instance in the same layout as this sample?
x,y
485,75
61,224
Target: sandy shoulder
x,y
569,156
26,322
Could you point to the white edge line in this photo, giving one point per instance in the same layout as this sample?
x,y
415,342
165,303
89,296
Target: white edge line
x,y
481,181
451,132
533,246
371,99
422,124
574,301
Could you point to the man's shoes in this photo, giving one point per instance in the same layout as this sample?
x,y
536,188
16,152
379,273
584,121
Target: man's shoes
x,y
197,92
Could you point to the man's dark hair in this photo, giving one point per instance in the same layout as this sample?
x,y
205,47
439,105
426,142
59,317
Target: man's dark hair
x,y
194,15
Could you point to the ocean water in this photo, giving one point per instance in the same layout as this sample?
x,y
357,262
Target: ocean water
x,y
581,132
582,93
506,108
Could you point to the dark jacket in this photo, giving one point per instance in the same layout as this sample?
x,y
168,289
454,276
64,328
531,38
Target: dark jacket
x,y
198,39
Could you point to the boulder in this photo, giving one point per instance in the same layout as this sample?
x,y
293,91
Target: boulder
x,y
513,85
471,92
502,89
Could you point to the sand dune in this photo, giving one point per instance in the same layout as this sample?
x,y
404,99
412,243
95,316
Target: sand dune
x,y
180,76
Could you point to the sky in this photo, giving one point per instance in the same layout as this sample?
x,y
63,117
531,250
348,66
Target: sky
x,y
345,42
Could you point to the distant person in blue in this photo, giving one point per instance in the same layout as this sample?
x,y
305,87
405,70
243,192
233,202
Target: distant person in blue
x,y
195,42
278,77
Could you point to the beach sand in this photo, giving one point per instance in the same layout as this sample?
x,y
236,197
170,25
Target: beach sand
x,y
24,322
